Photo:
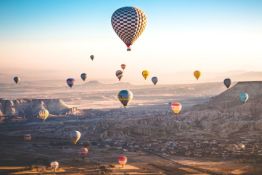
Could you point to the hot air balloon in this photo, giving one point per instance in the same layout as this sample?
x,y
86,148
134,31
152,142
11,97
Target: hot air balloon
x,y
27,137
123,66
83,76
154,80
243,96
197,74
119,74
128,23
125,96
145,74
43,114
92,57
227,82
75,136
83,152
16,80
70,82
176,107
122,160
54,165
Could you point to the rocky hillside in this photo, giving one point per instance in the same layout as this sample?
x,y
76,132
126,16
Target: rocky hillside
x,y
30,107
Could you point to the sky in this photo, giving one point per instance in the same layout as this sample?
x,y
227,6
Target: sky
x,y
54,39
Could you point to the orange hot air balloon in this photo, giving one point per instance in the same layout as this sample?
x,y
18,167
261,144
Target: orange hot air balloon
x,y
123,66
197,74
176,107
122,160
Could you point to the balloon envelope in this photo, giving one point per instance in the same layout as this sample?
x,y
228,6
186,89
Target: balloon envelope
x,y
27,137
92,57
197,74
119,74
70,82
227,82
83,76
75,136
176,107
125,96
122,160
154,80
16,79
243,96
54,165
123,66
145,74
128,23
43,114
83,152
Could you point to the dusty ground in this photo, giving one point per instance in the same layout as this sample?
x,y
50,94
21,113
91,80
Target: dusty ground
x,y
20,157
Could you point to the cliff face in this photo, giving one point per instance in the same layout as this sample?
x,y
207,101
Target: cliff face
x,y
30,107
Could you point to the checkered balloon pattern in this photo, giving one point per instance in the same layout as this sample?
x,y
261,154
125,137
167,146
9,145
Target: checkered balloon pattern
x,y
128,23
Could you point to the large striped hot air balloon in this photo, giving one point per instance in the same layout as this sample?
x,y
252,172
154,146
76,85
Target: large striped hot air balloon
x,y
176,107
128,23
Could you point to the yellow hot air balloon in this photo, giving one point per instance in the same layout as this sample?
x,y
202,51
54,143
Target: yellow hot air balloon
x,y
145,74
176,107
43,114
197,74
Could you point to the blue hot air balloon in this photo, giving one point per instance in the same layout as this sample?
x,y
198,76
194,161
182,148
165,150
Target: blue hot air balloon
x,y
125,96
243,96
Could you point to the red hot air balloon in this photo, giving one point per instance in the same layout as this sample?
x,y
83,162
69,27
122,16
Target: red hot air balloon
x,y
122,160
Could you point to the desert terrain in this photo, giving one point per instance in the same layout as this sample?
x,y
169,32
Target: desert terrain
x,y
214,133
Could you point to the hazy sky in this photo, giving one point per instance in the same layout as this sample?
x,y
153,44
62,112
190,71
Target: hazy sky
x,y
57,37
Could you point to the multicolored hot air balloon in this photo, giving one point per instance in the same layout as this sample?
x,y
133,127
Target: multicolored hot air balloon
x,y
197,74
128,23
92,57
54,165
145,74
176,107
83,152
122,160
125,96
227,82
75,136
154,80
70,82
243,96
43,114
123,66
27,137
83,76
119,74
16,80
